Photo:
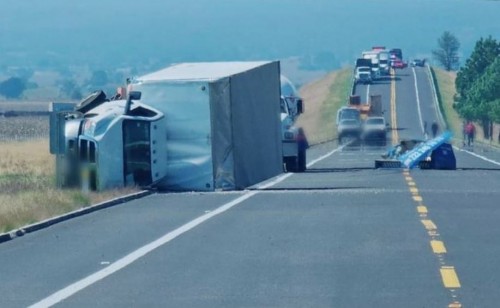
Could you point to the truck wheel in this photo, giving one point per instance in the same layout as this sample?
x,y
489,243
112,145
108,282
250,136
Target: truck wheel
x,y
291,164
302,161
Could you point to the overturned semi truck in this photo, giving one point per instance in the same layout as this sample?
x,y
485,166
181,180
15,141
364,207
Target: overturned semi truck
x,y
189,127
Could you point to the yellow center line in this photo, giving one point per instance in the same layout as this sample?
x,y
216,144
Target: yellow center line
x,y
455,305
449,276
414,190
422,209
395,137
428,224
417,198
412,183
408,178
438,246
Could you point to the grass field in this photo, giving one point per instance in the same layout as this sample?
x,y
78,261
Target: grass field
x,y
322,99
27,186
445,91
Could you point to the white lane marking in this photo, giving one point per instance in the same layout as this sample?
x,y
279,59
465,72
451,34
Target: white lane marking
x,y
325,156
478,156
367,94
114,267
418,102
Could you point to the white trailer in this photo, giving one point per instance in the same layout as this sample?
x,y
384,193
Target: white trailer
x,y
197,127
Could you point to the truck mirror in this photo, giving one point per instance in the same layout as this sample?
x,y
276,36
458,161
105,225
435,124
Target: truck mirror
x,y
300,106
135,95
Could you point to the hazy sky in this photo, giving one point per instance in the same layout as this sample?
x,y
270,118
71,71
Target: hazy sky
x,y
114,33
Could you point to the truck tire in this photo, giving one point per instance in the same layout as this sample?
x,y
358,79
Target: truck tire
x,y
291,164
301,161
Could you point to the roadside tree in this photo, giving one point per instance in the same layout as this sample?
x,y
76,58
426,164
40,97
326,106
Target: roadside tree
x,y
482,100
484,53
12,87
447,52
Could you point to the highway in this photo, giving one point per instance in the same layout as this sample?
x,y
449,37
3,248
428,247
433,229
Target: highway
x,y
342,234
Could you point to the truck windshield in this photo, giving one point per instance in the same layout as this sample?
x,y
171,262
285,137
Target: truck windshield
x,y
350,114
136,151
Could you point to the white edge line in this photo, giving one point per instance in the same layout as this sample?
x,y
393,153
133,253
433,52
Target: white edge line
x,y
367,93
478,156
418,102
114,267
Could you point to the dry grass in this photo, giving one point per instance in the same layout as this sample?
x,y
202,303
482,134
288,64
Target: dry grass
x,y
322,100
446,90
27,186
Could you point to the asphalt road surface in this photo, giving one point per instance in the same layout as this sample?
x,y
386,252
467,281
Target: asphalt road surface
x,y
342,234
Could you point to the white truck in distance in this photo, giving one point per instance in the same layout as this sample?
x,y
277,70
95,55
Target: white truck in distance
x,y
363,74
373,56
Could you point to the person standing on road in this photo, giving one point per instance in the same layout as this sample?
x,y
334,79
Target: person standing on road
x,y
434,128
470,131
303,145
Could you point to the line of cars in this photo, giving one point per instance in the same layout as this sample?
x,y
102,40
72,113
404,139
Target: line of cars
x,y
362,122
376,63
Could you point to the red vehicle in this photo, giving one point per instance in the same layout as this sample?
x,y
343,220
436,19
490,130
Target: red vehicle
x,y
398,63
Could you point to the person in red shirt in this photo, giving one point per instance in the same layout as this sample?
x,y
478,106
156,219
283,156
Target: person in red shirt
x,y
470,131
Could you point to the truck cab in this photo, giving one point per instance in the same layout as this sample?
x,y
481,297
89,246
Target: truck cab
x,y
291,106
124,138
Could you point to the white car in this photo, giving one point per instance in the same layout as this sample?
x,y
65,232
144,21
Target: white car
x,y
363,75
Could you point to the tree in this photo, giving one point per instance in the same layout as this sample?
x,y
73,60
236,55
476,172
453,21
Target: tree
x,y
447,53
484,53
483,98
12,87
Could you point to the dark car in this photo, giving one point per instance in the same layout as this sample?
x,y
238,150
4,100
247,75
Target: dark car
x,y
418,62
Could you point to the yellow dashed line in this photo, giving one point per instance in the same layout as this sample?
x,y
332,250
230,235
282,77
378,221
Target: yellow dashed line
x,y
417,198
422,209
449,276
412,183
455,305
414,190
428,224
438,247
408,178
